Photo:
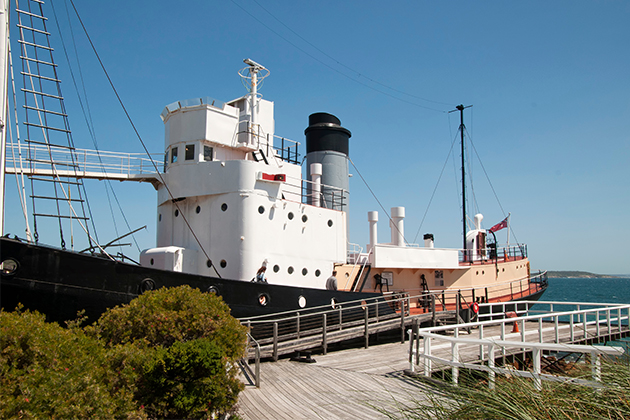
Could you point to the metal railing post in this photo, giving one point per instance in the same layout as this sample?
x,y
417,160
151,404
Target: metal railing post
x,y
481,338
324,328
402,320
366,333
297,320
257,366
275,341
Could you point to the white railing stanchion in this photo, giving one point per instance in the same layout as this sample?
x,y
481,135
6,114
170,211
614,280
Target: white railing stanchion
x,y
455,357
427,352
491,374
537,371
596,366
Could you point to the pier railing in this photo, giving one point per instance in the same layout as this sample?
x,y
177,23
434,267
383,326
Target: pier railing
x,y
528,318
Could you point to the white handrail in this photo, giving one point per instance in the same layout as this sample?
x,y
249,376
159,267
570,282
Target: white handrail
x,y
429,334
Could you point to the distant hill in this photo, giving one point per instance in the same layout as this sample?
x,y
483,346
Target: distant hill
x,y
576,274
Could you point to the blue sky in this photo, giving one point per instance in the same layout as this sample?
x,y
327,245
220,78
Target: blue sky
x,y
548,82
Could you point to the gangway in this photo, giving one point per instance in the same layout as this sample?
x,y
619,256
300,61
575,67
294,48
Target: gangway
x,y
38,160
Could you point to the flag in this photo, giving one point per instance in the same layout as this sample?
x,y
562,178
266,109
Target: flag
x,y
501,225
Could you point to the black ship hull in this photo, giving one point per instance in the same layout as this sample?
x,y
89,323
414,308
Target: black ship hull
x,y
60,283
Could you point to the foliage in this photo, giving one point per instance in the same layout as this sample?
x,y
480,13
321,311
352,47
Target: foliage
x,y
189,379
165,316
517,398
193,345
170,353
47,371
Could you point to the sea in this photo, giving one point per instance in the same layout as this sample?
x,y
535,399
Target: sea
x,y
589,289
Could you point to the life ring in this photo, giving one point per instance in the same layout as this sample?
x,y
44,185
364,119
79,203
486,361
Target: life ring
x,y
475,307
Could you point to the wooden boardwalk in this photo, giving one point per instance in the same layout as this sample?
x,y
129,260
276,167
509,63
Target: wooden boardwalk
x,y
348,384
365,383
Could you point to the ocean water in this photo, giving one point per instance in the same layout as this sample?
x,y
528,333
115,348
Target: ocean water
x,y
600,290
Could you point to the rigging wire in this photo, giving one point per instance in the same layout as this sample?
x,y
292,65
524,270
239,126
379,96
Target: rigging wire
x,y
375,197
135,129
359,74
87,115
450,151
294,45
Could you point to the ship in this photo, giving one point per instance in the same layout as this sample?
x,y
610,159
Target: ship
x,y
240,215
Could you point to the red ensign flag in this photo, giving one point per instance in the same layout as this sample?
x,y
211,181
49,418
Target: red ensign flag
x,y
499,226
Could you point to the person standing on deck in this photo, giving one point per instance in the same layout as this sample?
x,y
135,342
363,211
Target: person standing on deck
x,y
331,283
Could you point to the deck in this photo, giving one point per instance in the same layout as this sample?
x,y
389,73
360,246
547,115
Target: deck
x,y
369,382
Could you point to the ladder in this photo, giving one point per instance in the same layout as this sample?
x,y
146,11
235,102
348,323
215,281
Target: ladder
x,y
59,194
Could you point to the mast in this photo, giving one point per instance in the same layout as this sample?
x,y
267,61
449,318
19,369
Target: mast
x,y
461,108
4,68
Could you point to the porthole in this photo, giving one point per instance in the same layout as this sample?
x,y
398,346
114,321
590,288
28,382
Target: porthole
x,y
223,263
9,266
290,215
152,262
333,303
304,271
198,209
214,290
330,223
304,218
290,270
176,213
483,272
317,273
224,206
263,299
146,285
261,209
209,263
302,301
276,268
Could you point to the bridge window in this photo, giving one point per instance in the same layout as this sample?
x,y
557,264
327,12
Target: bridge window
x,y
174,154
165,160
190,152
207,153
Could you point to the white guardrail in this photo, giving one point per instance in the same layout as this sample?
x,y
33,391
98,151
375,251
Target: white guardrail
x,y
602,316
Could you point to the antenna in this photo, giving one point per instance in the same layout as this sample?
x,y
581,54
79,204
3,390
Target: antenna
x,y
252,77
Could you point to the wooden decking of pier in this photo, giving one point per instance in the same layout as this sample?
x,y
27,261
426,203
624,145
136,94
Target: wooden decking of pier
x,y
369,382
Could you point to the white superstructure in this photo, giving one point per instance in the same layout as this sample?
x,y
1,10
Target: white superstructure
x,y
242,201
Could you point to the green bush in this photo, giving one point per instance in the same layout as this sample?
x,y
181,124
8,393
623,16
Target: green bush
x,y
165,316
170,353
192,347
189,380
47,371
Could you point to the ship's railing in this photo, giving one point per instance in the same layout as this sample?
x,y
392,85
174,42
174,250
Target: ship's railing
x,y
300,190
492,254
287,150
37,159
315,324
588,321
328,196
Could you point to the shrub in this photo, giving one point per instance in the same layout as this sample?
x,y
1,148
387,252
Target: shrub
x,y
189,380
191,343
47,371
165,316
